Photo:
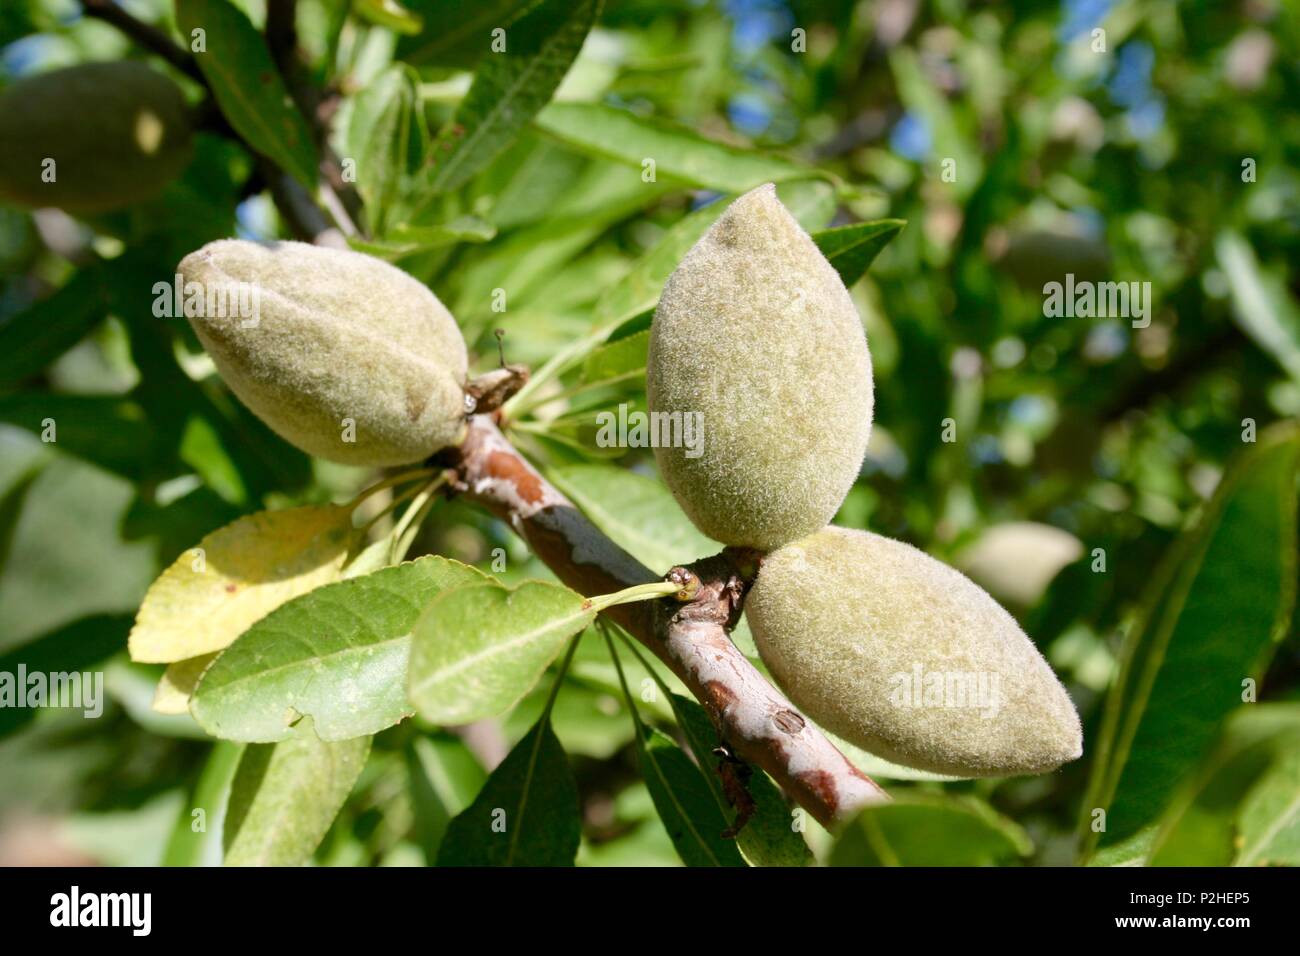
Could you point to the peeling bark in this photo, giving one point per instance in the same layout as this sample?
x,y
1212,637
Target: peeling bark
x,y
754,720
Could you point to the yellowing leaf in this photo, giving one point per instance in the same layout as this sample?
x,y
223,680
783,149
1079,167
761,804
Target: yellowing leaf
x,y
178,683
213,593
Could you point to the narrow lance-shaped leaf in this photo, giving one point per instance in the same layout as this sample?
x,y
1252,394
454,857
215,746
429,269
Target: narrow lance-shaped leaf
x,y
211,594
678,152
527,813
391,14
247,86
1242,804
286,795
110,431
196,838
456,34
1261,303
386,139
509,88
852,249
405,240
618,360
338,654
1269,818
637,512
477,650
769,837
916,829
685,804
74,647
445,777
43,331
1217,604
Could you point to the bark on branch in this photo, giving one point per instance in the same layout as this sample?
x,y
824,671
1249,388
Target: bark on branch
x,y
752,717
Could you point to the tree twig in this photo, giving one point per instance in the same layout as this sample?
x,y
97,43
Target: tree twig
x,y
146,35
753,718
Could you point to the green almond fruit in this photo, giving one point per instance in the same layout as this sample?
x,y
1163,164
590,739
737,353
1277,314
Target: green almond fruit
x,y
905,657
756,339
92,138
344,355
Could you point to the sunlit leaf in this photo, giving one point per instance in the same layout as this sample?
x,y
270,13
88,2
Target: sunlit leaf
x,y
678,152
247,85
769,837
285,796
337,654
637,512
921,829
479,649
178,683
686,806
211,594
852,249
526,814
1212,615
508,90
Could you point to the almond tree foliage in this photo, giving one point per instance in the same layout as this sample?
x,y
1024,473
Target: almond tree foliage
x,y
310,661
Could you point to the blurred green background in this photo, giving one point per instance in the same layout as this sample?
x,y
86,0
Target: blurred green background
x,y
1163,150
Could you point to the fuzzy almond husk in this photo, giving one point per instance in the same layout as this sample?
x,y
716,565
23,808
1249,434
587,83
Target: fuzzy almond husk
x,y
756,332
338,336
905,657
116,134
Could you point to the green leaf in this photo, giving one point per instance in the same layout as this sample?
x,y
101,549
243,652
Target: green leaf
x,y
248,87
638,513
925,829
686,806
406,240
387,139
587,720
105,430
852,249
12,503
178,682
196,838
618,360
1269,819
285,796
391,14
1215,608
445,777
337,654
1261,304
478,649
678,152
457,34
769,837
73,648
211,594
921,95
508,90
1239,806
36,336
527,813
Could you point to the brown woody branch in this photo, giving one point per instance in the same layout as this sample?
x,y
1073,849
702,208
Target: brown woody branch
x,y
144,34
753,719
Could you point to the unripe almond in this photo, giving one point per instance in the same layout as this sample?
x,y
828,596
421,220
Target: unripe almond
x,y
92,138
347,357
903,656
756,334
